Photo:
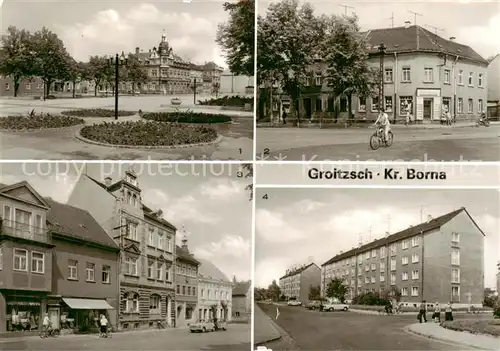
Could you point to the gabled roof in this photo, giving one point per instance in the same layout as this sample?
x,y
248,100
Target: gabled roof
x,y
242,288
208,270
72,222
418,39
184,255
4,188
212,66
434,223
298,270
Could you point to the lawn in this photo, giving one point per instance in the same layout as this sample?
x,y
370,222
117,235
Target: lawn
x,y
489,326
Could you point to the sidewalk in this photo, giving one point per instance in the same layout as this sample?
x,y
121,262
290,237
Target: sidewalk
x,y
436,332
265,329
305,125
406,313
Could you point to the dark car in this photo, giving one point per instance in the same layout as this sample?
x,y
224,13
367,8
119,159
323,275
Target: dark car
x,y
314,305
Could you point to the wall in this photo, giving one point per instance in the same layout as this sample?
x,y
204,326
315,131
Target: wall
x,y
494,83
231,84
26,87
310,277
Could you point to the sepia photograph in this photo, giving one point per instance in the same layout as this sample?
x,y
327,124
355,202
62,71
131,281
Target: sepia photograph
x,y
378,81
146,256
127,80
377,269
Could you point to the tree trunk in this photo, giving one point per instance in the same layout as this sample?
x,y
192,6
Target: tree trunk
x,y
74,83
17,82
349,108
47,90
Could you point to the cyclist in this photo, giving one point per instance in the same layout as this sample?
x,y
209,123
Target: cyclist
x,y
104,325
383,120
46,324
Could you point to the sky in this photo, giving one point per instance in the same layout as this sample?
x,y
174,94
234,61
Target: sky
x,y
299,226
209,200
474,23
107,27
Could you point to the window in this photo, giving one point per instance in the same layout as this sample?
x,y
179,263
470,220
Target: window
x,y
132,303
404,244
414,258
461,77
404,260
382,278
152,237
159,271
183,290
132,231
72,269
193,290
382,267
480,80
1,258
455,257
375,104
90,272
406,75
405,105
455,275
455,292
471,79
367,255
414,275
154,304
393,248
178,289
373,279
404,291
388,76
374,266
367,280
106,274
382,252
168,274
7,86
362,104
446,78
189,290
455,237
131,266
7,215
414,291
367,268
393,264
319,106
388,104
20,260
404,276
470,106
480,106
169,244
317,78
161,241
428,75
37,262
460,105
151,269
393,278
415,241
360,259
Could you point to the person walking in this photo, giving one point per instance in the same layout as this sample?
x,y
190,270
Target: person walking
x,y
104,325
422,312
437,313
448,314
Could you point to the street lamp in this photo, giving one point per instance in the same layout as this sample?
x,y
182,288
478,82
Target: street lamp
x,y
381,50
119,60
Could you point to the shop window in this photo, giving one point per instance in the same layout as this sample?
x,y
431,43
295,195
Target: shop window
x,y
405,105
20,260
137,325
37,262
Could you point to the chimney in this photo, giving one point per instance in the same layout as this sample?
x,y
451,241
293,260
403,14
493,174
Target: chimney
x,y
137,50
407,24
452,38
107,181
429,218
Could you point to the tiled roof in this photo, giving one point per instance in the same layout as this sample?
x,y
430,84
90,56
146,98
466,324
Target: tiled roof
x,y
416,38
184,255
242,288
76,223
403,234
211,66
297,271
210,271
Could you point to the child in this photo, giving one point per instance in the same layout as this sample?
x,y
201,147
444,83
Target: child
x,y
437,313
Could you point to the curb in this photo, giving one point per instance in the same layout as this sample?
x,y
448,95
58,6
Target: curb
x,y
279,330
447,341
159,147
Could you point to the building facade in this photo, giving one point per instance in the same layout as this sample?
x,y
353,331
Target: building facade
x,y
494,88
242,301
423,74
296,283
231,84
186,285
26,251
438,260
214,293
147,248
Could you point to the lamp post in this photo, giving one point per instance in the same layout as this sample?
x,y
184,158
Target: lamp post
x,y
381,50
119,60
194,92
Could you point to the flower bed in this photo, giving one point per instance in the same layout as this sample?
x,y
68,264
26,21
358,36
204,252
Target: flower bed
x,y
148,134
187,117
41,121
490,327
227,101
97,112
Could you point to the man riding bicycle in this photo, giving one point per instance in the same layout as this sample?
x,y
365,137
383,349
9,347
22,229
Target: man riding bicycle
x,y
47,324
383,120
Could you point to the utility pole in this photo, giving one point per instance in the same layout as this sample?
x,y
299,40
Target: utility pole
x,y
415,14
381,102
194,91
345,8
436,29
392,20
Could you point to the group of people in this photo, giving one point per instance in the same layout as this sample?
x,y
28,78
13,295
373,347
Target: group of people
x,y
103,323
436,316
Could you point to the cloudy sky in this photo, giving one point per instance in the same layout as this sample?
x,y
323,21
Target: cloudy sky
x,y
209,200
297,226
474,22
106,27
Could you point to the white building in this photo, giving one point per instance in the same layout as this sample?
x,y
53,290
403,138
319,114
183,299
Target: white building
x,y
231,84
214,293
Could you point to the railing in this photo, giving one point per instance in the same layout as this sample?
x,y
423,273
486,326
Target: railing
x,y
25,231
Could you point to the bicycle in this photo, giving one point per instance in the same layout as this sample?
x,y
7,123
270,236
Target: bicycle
x,y
54,333
378,138
107,334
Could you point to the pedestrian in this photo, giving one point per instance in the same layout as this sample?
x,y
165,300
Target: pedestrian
x,y
437,313
284,116
104,325
448,314
422,312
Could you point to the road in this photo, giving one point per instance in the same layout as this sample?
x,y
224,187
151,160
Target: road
x,y
236,338
312,330
439,143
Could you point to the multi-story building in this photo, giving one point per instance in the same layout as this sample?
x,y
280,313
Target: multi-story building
x,y
84,269
242,301
438,260
296,283
147,244
186,285
423,74
26,251
494,87
196,76
214,293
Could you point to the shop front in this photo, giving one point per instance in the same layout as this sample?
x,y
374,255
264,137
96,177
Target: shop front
x,y
21,312
82,315
428,106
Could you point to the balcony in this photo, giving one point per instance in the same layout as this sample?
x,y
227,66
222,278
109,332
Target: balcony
x,y
25,231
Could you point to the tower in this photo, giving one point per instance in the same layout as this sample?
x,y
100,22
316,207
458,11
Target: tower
x,y
184,240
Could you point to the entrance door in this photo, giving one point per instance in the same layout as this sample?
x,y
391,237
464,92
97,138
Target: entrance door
x,y
307,107
53,313
428,109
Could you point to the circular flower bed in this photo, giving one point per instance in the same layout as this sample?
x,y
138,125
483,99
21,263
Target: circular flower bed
x,y
148,134
187,117
41,121
97,112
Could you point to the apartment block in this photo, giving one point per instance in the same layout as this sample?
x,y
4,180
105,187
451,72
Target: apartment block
x,y
296,283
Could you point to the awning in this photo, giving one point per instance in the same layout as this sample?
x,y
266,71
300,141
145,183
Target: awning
x,y
87,304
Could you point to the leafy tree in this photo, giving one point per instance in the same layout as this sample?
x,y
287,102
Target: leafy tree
x,y
216,89
16,56
247,172
237,37
135,72
274,291
97,69
77,72
337,289
314,293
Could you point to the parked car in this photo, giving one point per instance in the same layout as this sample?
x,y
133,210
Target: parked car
x,y
221,325
294,303
202,326
335,306
314,305
176,101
